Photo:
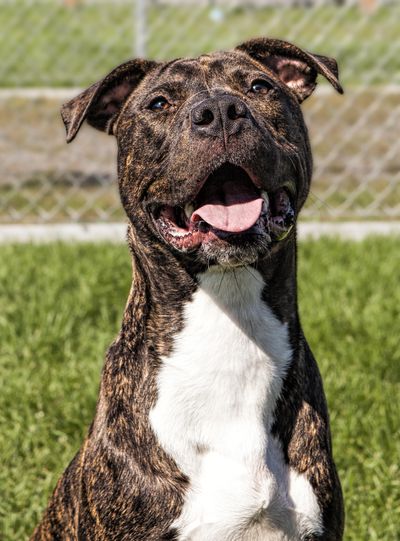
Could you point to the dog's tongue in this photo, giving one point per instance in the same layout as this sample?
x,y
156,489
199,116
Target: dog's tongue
x,y
229,205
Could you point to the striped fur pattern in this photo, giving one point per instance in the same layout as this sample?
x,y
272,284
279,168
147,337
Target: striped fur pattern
x,y
211,421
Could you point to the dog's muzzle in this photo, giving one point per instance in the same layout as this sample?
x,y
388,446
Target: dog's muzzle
x,y
228,207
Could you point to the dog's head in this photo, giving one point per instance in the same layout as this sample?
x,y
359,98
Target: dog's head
x,y
214,158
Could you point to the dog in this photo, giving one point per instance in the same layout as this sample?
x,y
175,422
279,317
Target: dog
x,y
211,422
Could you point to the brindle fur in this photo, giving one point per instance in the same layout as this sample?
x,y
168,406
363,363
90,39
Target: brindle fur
x,y
122,485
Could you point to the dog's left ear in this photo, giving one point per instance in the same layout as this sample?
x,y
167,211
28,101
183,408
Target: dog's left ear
x,y
101,103
296,68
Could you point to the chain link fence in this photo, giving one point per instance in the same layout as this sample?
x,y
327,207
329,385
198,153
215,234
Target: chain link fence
x,y
52,48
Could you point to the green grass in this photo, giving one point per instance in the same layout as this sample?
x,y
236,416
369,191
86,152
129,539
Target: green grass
x,y
47,43
61,306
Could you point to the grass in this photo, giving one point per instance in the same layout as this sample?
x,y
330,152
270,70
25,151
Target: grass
x,y
47,43
61,306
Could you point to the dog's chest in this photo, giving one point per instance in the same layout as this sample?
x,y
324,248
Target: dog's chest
x,y
216,396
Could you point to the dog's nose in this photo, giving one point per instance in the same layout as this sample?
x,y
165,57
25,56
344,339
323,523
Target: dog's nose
x,y
220,116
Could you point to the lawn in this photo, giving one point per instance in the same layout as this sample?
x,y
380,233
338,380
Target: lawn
x,y
61,306
46,43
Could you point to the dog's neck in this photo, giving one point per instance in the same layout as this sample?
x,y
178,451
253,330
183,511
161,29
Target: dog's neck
x,y
155,313
162,284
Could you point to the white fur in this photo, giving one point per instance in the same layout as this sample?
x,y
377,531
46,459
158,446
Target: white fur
x,y
216,396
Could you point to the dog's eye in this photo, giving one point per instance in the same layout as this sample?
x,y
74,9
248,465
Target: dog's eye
x,y
159,104
261,86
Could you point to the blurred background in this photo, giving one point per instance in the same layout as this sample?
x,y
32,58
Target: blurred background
x,y
61,303
53,48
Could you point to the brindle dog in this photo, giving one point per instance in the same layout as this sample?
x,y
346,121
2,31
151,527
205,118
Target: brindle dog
x,y
211,422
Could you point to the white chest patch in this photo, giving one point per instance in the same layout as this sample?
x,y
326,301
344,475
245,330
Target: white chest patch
x,y
216,396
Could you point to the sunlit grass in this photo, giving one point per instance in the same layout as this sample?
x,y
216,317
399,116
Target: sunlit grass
x,y
61,306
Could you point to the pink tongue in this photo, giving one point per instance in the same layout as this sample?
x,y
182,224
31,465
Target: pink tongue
x,y
231,209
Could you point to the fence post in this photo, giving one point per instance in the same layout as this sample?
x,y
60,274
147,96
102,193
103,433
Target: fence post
x,y
140,20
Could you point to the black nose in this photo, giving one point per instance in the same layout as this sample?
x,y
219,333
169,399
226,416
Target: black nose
x,y
220,116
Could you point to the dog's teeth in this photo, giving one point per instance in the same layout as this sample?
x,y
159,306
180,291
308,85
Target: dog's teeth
x,y
264,195
189,209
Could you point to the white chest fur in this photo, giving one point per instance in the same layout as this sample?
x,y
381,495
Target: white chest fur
x,y
216,396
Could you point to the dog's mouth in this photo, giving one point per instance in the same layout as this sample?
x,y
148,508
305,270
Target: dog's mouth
x,y
228,207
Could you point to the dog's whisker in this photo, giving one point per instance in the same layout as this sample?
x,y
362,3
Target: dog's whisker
x,y
321,201
247,269
222,277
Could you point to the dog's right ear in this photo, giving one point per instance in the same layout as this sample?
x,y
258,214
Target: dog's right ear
x,y
101,103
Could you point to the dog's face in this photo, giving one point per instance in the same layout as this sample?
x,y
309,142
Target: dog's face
x,y
213,154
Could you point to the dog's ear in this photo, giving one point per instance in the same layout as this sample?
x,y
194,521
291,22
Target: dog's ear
x,y
101,103
296,68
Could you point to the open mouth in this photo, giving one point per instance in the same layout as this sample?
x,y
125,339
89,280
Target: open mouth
x,y
228,207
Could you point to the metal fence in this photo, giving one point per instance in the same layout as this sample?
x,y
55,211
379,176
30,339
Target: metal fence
x,y
51,47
